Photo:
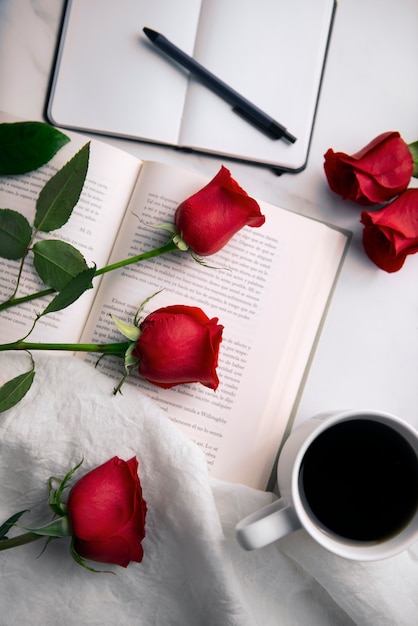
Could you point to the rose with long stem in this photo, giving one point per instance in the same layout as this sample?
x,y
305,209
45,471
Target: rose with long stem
x,y
203,224
172,346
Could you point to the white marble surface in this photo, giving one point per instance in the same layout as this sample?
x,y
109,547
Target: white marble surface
x,y
368,353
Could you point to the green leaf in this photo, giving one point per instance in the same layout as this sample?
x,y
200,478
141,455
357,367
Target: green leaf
x,y
15,234
25,146
14,390
9,523
413,147
57,262
71,292
61,193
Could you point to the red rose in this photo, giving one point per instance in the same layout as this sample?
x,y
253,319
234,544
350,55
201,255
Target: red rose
x,y
179,344
107,513
377,173
207,220
391,234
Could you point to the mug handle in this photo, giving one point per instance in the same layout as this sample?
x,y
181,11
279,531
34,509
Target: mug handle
x,y
266,525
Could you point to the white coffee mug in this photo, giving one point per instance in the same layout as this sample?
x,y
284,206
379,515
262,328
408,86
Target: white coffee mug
x,y
350,479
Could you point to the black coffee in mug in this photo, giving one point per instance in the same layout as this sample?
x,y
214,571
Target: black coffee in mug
x,y
360,480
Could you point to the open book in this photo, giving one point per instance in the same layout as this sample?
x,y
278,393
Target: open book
x,y
269,287
110,79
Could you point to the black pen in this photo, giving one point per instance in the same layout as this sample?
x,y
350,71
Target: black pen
x,y
240,105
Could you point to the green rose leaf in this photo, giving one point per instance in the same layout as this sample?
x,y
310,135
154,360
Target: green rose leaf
x,y
57,262
413,148
15,234
14,390
9,523
25,146
61,193
72,291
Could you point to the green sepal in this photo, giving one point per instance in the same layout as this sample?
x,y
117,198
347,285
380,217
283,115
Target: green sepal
x,y
413,148
55,494
25,146
137,316
80,561
15,234
15,389
204,264
57,262
61,193
176,237
59,527
180,243
47,542
9,523
129,362
128,330
170,228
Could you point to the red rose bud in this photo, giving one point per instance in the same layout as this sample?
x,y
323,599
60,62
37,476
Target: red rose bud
x,y
107,513
179,344
207,220
391,234
377,173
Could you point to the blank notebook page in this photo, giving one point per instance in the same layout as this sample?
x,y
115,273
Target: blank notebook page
x,y
110,79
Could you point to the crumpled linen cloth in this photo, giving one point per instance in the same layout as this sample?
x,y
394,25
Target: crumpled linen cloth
x,y
193,572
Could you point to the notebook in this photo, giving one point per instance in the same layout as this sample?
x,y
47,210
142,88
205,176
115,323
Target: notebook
x,y
110,79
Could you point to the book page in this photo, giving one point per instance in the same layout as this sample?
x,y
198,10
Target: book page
x,y
269,287
91,228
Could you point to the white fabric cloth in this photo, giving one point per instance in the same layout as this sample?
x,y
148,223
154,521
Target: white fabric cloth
x,y
193,571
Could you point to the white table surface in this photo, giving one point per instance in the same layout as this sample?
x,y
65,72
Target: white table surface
x,y
368,353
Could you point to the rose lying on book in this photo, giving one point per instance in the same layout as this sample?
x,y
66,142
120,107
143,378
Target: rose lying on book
x,y
202,224
379,173
207,220
178,344
104,515
172,346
